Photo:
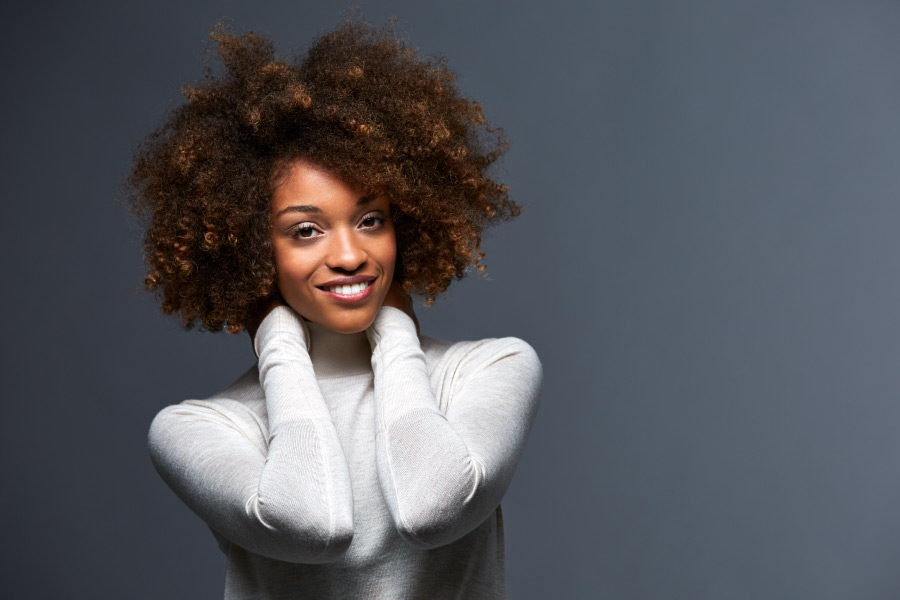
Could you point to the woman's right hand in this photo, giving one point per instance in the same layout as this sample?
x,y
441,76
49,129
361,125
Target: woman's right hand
x,y
259,480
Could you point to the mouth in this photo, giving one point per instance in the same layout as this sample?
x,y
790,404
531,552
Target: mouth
x,y
353,292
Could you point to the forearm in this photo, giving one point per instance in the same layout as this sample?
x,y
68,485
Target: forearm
x,y
305,484
444,474
290,500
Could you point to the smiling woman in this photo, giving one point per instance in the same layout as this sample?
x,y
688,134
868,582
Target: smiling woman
x,y
334,248
305,202
361,106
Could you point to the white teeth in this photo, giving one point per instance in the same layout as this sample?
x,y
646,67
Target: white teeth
x,y
348,289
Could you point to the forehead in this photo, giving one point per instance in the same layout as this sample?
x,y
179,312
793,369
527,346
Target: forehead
x,y
304,183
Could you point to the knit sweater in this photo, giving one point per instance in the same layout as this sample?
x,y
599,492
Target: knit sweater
x,y
368,465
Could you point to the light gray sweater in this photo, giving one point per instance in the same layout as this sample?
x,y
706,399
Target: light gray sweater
x,y
368,465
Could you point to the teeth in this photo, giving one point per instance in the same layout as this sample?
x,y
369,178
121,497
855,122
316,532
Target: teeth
x,y
348,289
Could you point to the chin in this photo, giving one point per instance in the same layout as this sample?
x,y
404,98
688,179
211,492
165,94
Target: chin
x,y
340,318
348,323
353,328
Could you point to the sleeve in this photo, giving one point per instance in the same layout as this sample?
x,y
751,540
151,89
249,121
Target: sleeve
x,y
442,475
292,502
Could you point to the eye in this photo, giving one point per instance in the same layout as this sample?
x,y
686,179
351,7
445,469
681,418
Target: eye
x,y
372,221
304,231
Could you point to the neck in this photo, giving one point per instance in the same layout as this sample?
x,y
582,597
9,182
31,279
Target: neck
x,y
336,354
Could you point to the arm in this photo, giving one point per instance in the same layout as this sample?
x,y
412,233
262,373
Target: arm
x,y
294,501
444,474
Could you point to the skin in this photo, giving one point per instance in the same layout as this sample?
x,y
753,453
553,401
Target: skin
x,y
322,229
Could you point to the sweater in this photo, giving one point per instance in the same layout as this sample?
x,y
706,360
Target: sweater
x,y
368,465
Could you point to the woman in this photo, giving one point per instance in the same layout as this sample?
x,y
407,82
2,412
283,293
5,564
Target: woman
x,y
305,202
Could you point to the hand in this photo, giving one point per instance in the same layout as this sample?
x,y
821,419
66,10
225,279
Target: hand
x,y
396,298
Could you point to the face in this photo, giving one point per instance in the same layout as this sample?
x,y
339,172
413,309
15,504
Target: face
x,y
334,248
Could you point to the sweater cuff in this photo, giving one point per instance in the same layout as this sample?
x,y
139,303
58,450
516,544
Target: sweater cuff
x,y
281,321
390,321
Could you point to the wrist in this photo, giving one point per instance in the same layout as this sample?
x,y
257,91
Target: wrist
x,y
281,322
391,320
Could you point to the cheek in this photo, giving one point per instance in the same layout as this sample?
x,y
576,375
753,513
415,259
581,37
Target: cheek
x,y
292,275
390,260
389,254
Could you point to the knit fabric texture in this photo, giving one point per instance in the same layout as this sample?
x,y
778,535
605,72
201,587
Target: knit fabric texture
x,y
368,465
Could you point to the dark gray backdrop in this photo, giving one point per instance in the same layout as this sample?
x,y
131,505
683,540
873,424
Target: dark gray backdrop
x,y
707,266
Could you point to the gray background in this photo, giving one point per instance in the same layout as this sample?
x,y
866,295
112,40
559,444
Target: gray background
x,y
707,266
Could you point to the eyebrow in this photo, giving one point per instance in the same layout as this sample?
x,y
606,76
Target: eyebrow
x,y
309,208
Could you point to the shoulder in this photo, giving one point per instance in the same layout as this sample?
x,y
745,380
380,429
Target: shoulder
x,y
239,407
484,352
505,362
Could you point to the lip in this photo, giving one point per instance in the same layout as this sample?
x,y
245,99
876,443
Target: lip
x,y
349,298
347,280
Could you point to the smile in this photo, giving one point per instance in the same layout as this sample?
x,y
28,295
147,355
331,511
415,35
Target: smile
x,y
349,293
347,290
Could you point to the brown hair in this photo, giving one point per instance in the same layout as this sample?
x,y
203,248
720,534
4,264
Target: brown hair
x,y
361,104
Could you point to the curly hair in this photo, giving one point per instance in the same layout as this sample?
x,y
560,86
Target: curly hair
x,y
360,104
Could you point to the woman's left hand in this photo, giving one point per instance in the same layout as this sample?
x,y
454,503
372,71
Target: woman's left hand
x,y
396,298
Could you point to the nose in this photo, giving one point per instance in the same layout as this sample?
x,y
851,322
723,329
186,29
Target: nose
x,y
345,252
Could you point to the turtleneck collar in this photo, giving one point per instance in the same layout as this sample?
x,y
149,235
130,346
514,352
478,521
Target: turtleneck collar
x,y
338,354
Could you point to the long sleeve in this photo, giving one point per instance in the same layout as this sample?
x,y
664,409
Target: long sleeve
x,y
291,501
444,472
